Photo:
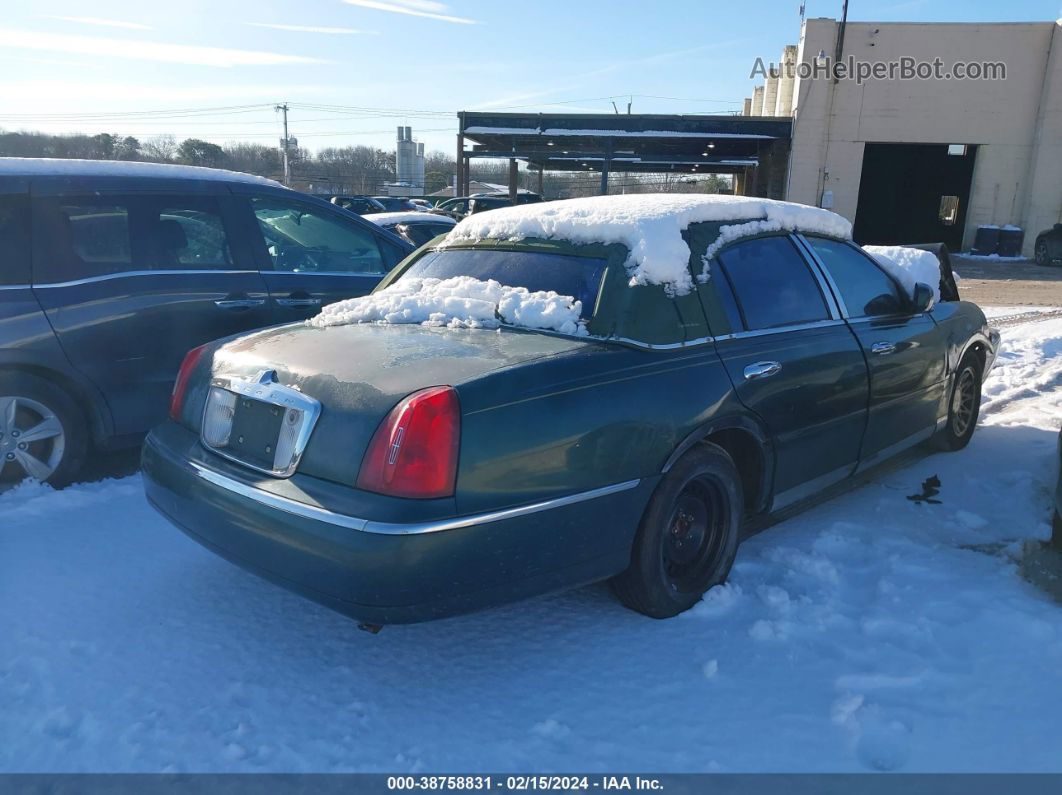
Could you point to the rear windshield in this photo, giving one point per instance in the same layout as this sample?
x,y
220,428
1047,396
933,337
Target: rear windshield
x,y
579,277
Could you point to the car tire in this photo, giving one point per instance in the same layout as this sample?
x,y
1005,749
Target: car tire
x,y
1041,254
57,452
688,536
964,405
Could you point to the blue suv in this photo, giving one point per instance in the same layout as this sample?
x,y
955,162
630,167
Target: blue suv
x,y
110,272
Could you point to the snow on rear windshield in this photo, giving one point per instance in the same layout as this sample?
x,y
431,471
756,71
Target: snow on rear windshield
x,y
458,302
577,277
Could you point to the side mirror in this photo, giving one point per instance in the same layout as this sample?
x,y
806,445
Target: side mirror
x,y
923,297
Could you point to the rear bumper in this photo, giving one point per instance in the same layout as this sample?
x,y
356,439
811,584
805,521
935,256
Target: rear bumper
x,y
380,572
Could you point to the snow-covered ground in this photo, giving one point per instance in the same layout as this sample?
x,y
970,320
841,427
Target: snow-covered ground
x,y
870,633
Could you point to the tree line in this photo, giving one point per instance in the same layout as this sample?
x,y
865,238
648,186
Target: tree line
x,y
346,169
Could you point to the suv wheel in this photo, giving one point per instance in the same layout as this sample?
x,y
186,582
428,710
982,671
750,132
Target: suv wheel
x,y
964,405
688,536
42,432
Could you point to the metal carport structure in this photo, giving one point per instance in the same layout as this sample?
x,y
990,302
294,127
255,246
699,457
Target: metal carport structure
x,y
755,149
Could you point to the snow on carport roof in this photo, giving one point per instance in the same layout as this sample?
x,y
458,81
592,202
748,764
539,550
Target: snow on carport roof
x,y
650,225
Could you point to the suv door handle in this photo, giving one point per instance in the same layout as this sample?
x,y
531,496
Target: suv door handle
x,y
239,303
298,302
762,370
882,348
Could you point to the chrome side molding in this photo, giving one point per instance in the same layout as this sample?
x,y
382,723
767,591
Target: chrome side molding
x,y
318,514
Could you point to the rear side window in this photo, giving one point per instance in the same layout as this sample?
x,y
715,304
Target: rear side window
x,y
867,291
14,240
772,284
81,237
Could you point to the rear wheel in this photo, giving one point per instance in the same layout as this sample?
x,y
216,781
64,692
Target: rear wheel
x,y
964,405
687,539
42,431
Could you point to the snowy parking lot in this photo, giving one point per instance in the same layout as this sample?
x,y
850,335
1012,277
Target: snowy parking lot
x,y
869,633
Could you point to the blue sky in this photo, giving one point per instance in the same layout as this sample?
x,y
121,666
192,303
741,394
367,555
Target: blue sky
x,y
69,65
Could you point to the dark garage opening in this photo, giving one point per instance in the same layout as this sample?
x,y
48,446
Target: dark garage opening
x,y
914,193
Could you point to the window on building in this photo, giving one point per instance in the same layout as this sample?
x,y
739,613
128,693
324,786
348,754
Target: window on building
x,y
949,210
957,149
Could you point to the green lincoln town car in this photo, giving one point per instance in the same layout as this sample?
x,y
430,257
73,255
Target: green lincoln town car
x,y
556,394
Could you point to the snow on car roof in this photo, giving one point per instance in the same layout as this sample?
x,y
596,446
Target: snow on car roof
x,y
410,217
56,167
650,225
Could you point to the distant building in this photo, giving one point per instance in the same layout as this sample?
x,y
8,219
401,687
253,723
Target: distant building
x,y
930,158
409,166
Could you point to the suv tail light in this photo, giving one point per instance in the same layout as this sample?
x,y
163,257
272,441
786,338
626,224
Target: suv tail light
x,y
414,451
180,386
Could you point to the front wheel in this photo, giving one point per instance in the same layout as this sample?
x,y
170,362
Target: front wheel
x,y
964,405
688,536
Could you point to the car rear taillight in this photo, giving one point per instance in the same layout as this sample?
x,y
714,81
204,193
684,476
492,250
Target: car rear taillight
x,y
180,386
414,451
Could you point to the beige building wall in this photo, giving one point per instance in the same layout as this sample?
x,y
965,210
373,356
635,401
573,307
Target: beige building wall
x,y
1016,123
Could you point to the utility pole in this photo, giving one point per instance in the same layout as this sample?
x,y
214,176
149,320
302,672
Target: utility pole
x,y
283,108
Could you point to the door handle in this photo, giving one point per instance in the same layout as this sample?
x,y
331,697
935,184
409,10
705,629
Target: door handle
x,y
882,348
239,303
298,302
762,370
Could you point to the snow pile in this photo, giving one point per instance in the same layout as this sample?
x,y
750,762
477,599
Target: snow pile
x,y
408,217
458,302
909,266
649,225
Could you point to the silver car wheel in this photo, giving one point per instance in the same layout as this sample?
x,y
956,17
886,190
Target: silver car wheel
x,y
32,439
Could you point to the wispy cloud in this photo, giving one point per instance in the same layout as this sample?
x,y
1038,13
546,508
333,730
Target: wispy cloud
x,y
414,8
103,23
512,99
145,50
312,29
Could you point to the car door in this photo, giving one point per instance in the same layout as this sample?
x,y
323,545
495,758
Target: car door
x,y
793,362
905,351
131,281
311,255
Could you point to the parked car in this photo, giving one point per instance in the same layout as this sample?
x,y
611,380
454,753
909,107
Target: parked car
x,y
455,208
1048,247
110,272
396,204
414,227
446,468
360,205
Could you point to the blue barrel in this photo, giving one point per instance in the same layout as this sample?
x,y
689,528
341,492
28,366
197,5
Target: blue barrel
x,y
986,240
1010,240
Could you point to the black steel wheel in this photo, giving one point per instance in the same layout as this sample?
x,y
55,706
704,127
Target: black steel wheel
x,y
687,539
964,405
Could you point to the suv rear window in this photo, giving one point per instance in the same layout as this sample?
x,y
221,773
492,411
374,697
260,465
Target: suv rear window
x,y
579,277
